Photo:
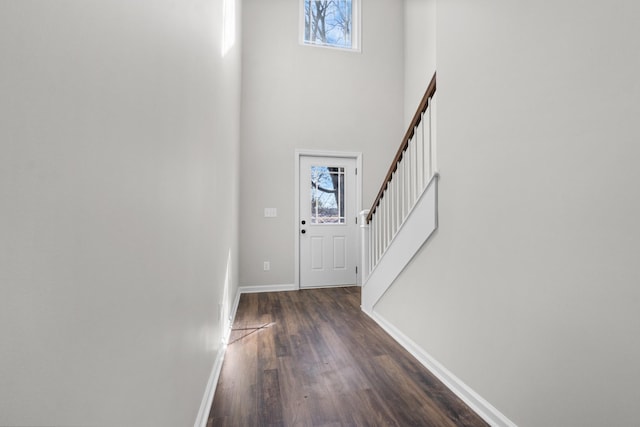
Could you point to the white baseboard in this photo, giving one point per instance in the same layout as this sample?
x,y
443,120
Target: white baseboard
x,y
234,310
266,288
207,399
479,405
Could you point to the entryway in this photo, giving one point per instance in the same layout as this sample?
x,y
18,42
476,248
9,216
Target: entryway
x,y
328,191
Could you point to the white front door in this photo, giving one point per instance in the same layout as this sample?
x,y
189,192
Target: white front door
x,y
328,231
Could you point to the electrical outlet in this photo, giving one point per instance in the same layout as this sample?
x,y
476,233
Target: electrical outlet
x,y
267,266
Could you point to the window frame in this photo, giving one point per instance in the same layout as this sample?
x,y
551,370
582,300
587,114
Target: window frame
x,y
356,36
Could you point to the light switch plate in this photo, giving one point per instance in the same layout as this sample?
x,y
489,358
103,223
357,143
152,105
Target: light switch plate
x,y
270,212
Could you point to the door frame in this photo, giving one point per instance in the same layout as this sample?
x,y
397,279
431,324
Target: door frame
x,y
296,224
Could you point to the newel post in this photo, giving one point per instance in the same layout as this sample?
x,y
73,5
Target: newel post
x,y
364,246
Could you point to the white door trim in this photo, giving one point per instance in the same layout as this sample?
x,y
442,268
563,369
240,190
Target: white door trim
x,y
296,228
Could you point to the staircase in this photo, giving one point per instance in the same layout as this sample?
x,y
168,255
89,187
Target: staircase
x,y
404,213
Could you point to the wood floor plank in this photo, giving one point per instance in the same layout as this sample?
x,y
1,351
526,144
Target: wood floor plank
x,y
269,401
312,358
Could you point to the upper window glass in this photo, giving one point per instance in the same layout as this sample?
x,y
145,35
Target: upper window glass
x,y
330,23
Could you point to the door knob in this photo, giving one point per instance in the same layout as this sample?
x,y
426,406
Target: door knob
x,y
303,231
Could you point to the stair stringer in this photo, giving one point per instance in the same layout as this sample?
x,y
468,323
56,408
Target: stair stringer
x,y
420,224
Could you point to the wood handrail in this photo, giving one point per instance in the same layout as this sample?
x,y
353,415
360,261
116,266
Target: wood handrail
x,y
417,118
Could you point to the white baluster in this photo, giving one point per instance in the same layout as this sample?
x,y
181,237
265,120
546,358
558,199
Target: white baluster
x,y
408,181
377,236
394,186
389,216
400,176
418,173
393,211
364,246
372,245
386,222
383,233
419,158
433,142
409,170
401,195
426,120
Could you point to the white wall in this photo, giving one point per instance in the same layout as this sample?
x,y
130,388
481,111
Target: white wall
x,y
419,52
119,131
529,291
310,98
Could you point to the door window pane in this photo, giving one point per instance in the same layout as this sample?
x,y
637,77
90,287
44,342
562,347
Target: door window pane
x,y
327,195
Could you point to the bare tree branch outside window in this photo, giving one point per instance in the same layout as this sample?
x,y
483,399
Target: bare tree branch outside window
x,y
327,195
328,22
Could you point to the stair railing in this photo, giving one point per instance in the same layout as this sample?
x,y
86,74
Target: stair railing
x,y
410,172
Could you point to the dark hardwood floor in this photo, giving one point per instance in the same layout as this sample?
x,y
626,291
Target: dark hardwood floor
x,y
312,358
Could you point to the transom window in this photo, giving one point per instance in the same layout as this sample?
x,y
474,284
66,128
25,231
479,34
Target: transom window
x,y
330,23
